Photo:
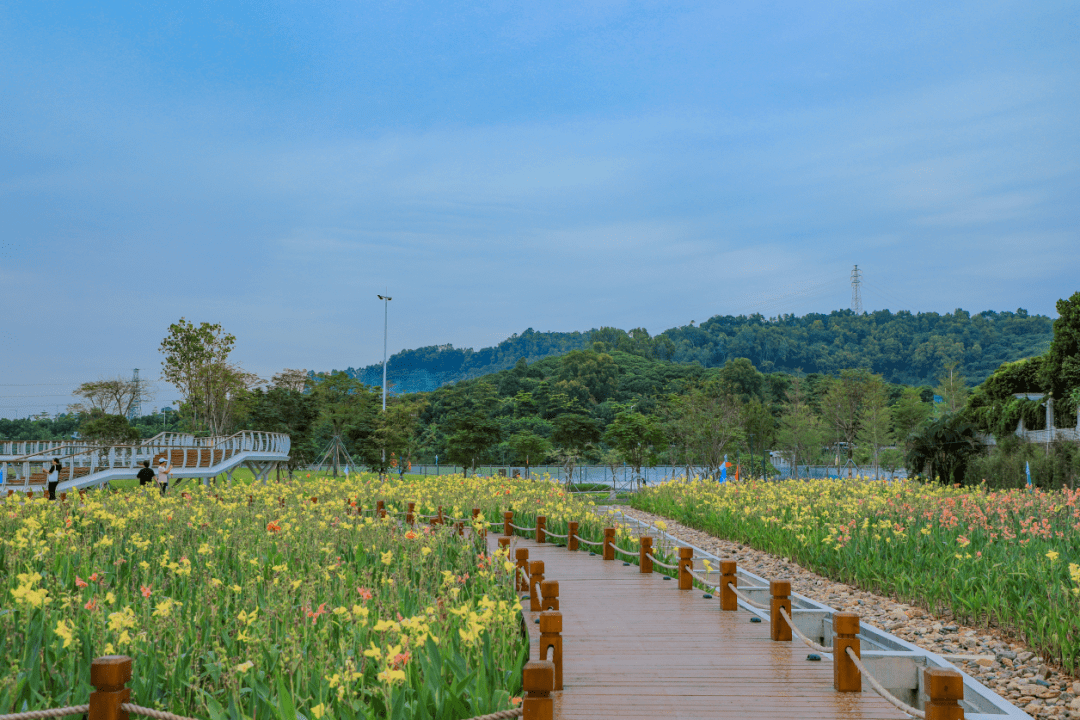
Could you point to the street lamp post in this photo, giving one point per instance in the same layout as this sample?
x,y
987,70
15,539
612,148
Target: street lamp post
x,y
386,305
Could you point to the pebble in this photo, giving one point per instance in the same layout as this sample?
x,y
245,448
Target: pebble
x,y
998,661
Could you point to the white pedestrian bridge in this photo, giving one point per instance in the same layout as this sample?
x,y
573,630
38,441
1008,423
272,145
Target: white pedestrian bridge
x,y
87,464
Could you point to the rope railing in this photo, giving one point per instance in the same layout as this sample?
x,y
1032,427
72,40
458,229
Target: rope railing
x,y
880,689
554,535
41,714
799,633
702,579
619,550
661,564
150,712
746,599
590,542
522,529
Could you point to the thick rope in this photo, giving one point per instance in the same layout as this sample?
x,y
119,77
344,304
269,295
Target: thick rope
x,y
501,715
702,580
150,712
589,542
522,529
55,712
809,643
898,704
746,599
663,565
556,535
628,553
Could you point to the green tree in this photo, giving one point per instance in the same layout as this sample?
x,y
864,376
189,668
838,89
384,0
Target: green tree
x,y
103,429
278,409
632,436
909,413
1061,367
197,364
705,424
841,405
529,448
952,388
573,434
875,421
801,435
942,449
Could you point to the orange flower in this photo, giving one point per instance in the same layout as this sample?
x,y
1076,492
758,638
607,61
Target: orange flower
x,y
79,582
146,590
365,594
410,535
272,526
92,605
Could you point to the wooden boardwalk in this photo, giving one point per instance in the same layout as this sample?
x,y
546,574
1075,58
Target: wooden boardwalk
x,y
634,646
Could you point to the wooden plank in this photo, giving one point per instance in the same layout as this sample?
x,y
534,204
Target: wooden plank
x,y
635,646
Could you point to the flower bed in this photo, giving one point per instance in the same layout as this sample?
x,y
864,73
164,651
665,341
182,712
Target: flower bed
x,y
1005,558
234,609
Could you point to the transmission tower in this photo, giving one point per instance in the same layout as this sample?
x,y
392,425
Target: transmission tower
x,y
856,295
136,400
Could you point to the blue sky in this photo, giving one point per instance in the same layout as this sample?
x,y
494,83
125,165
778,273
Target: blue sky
x,y
496,166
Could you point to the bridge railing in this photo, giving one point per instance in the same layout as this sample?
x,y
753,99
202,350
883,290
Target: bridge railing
x,y
82,458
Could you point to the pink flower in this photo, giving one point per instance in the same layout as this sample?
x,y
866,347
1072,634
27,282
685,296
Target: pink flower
x,y
365,594
145,590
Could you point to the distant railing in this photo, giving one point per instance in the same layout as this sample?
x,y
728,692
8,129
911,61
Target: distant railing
x,y
79,459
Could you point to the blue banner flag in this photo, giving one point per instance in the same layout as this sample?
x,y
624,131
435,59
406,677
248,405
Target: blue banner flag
x,y
1027,469
723,470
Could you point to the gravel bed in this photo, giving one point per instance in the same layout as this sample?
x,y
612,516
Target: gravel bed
x,y
1007,667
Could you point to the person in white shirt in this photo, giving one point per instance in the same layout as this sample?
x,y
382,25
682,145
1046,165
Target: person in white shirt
x,y
163,470
53,477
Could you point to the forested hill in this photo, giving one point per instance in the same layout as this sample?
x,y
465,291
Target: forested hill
x,y
903,347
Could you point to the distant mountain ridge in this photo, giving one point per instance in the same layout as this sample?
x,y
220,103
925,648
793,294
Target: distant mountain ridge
x,y
903,347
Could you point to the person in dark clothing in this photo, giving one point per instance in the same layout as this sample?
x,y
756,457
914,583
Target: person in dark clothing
x,y
146,475
54,477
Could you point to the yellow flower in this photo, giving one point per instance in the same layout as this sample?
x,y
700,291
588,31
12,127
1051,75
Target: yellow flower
x,y
1052,555
391,676
65,630
318,711
373,652
425,550
244,667
387,557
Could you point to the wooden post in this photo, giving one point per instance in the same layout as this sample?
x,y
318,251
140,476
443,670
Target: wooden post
x,y
459,527
63,497
380,508
780,591
504,544
251,500
551,638
508,517
10,492
728,600
609,543
549,595
442,521
541,525
538,680
945,688
846,677
109,675
572,539
536,576
314,500
475,513
521,556
644,561
410,513
686,561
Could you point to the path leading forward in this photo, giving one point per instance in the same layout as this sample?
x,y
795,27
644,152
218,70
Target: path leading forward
x,y
634,646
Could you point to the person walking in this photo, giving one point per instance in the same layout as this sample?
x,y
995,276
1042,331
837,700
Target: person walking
x,y
146,475
53,477
163,470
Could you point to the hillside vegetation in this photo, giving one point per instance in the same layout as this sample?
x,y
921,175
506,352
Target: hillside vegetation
x,y
901,347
